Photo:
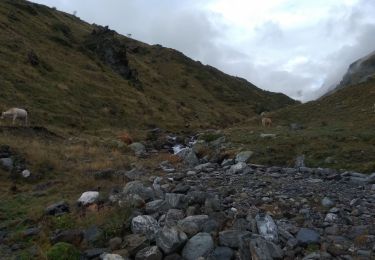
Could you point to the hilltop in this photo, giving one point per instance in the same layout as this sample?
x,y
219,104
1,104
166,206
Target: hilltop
x,y
71,74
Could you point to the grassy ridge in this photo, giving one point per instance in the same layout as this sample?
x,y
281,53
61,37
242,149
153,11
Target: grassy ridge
x,y
47,67
337,132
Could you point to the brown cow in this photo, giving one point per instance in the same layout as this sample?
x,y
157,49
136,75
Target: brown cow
x,y
266,122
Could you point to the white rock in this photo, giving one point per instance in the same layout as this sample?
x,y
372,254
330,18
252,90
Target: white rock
x,y
106,256
88,197
26,173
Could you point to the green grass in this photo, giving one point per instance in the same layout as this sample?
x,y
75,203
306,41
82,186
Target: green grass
x,y
72,88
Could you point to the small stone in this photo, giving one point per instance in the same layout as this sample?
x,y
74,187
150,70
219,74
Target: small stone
x,y
177,201
26,173
57,209
106,256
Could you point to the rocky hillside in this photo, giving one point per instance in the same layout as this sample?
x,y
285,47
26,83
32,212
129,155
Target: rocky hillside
x,y
72,74
358,72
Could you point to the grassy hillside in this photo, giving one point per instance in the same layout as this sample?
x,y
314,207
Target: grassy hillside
x,y
71,74
337,131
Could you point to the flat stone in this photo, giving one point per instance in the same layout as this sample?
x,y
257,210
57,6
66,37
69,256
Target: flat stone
x,y
306,236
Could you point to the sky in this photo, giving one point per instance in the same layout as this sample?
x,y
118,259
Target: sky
x,y
298,47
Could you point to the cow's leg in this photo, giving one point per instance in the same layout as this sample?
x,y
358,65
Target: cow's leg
x,y
14,118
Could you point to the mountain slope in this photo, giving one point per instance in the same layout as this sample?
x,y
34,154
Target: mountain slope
x,y
72,74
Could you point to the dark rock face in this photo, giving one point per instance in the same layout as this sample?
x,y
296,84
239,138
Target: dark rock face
x,y
359,71
111,51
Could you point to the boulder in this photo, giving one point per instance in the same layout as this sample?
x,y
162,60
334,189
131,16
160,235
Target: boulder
x,y
145,225
198,246
138,149
135,242
6,164
156,206
170,240
327,202
188,156
177,201
307,236
221,253
232,238
244,156
71,236
57,209
267,227
136,187
191,225
106,256
88,197
237,168
259,248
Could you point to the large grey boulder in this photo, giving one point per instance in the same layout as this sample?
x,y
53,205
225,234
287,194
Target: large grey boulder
x,y
136,187
188,156
145,225
170,240
177,201
267,227
138,149
191,225
156,206
244,156
198,246
371,178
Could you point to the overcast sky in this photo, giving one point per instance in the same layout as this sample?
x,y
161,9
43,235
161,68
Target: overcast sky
x,y
297,47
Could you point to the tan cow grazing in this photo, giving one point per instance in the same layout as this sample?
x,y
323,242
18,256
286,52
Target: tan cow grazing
x,y
266,122
16,113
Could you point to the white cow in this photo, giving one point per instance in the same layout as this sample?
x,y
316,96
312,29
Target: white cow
x,y
15,113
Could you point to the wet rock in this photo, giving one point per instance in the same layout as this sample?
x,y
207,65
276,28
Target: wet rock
x,y
267,227
149,253
170,240
88,197
232,238
145,225
57,209
308,236
199,245
244,156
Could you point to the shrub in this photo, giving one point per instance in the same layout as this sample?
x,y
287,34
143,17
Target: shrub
x,y
62,251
